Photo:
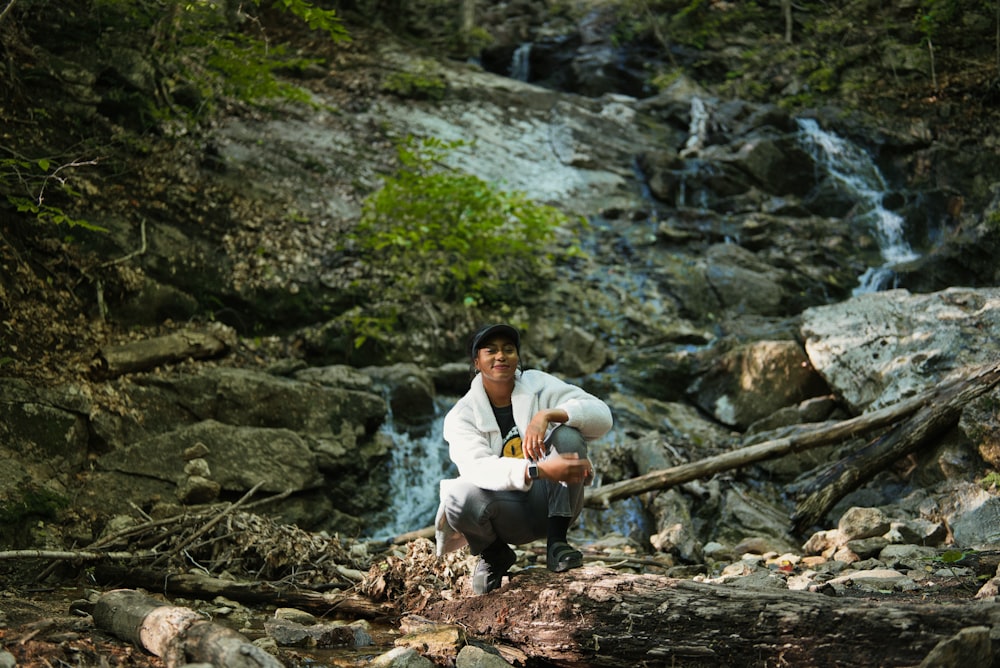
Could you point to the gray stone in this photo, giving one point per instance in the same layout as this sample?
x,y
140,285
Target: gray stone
x,y
471,656
401,657
971,646
859,523
878,348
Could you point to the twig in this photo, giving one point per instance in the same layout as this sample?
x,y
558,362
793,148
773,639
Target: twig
x,y
6,10
128,256
102,308
208,525
71,555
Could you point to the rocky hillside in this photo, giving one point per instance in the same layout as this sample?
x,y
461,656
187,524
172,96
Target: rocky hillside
x,y
238,222
927,115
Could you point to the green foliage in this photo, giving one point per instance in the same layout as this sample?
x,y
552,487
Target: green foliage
x,y
35,179
990,481
246,69
435,234
33,503
314,17
689,22
933,15
993,220
205,50
823,79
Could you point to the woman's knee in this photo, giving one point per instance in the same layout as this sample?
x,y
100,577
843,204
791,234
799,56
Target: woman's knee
x,y
566,440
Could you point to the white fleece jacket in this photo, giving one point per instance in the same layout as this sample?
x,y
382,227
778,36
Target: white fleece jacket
x,y
475,442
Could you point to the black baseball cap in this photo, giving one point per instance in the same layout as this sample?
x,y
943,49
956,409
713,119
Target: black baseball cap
x,y
480,338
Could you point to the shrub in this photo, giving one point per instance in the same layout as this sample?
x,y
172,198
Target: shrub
x,y
436,234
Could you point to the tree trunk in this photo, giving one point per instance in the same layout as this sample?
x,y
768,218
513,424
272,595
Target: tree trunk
x,y
809,436
596,617
177,635
250,593
837,480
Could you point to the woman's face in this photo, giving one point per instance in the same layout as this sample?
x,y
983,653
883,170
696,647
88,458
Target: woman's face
x,y
497,360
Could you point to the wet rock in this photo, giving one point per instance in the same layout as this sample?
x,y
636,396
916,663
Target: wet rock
x,y
241,457
971,646
289,633
472,656
409,390
197,489
401,657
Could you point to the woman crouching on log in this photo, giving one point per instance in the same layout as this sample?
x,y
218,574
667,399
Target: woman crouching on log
x,y
519,439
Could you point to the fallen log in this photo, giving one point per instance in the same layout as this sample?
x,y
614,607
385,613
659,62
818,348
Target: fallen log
x,y
205,587
805,439
834,482
596,617
943,403
134,356
176,634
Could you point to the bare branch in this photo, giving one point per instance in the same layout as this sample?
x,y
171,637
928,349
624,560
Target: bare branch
x,y
6,10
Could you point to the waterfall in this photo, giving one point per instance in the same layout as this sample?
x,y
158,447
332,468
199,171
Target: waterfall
x,y
520,62
857,176
418,465
697,128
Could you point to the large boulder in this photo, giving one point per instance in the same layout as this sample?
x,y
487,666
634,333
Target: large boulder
x,y
878,348
237,458
753,381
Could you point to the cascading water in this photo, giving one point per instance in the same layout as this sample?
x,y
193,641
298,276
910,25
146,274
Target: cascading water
x,y
418,465
695,169
856,175
520,62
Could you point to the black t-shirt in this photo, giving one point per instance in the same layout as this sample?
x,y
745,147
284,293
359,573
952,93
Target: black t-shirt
x,y
511,436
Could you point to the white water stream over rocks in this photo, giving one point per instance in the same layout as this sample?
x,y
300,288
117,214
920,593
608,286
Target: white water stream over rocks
x,y
857,176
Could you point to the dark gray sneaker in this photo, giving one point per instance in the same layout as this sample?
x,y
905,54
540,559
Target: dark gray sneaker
x,y
494,562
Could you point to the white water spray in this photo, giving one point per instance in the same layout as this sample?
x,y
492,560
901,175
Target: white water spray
x,y
697,128
520,62
855,174
417,467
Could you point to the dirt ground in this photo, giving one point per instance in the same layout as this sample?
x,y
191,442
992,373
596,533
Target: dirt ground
x,y
50,625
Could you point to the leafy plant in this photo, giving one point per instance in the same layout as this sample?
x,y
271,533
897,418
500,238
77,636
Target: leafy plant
x,y
34,179
932,16
990,481
432,233
236,62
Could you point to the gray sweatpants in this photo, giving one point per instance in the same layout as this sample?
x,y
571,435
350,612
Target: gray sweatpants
x,y
516,517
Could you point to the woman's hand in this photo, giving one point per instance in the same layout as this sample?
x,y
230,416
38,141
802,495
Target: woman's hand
x,y
567,468
533,441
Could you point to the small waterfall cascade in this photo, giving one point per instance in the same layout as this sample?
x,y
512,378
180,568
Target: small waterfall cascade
x,y
694,168
856,175
418,465
520,62
697,128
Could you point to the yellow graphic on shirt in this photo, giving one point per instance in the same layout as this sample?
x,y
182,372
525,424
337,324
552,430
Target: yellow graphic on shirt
x,y
512,445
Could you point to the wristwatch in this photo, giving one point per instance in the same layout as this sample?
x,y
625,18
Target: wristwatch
x,y
532,470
